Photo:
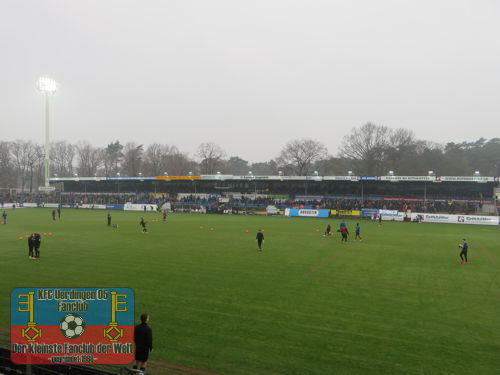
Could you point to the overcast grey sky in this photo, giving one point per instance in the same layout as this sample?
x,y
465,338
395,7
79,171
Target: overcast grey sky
x,y
250,75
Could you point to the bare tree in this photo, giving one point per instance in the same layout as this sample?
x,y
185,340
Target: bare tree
x,y
160,159
211,156
400,151
299,155
402,137
89,159
34,160
62,155
179,163
20,151
26,158
132,159
366,145
6,167
154,159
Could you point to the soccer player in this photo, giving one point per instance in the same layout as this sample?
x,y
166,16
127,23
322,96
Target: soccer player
x,y
53,214
260,239
358,231
31,245
59,212
342,224
463,253
380,219
328,230
37,239
109,219
344,232
143,339
4,217
143,225
165,215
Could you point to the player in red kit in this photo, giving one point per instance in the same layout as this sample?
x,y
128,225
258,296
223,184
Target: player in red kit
x,y
344,232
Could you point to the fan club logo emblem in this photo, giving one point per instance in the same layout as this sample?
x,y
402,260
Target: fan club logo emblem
x,y
72,325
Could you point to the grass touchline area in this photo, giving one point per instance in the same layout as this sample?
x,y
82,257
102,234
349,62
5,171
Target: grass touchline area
x,y
399,302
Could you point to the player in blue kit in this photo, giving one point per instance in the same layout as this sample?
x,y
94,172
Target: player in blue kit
x,y
358,233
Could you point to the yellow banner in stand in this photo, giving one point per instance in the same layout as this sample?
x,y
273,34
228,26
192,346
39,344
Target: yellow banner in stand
x,y
345,212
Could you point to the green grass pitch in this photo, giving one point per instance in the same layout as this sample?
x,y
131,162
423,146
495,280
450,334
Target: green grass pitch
x,y
399,302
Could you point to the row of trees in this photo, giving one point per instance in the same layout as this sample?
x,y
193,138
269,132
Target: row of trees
x,y
368,150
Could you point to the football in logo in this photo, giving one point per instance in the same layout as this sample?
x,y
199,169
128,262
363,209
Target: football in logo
x,y
72,326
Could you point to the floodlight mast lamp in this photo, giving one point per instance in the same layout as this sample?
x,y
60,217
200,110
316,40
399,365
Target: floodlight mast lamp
x,y
47,86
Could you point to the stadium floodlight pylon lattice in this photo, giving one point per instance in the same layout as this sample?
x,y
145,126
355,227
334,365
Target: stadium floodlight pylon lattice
x,y
47,86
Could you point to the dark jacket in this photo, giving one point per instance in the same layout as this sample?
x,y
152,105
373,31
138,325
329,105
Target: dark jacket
x,y
143,336
37,240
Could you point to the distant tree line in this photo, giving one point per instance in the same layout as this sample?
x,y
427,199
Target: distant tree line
x,y
368,150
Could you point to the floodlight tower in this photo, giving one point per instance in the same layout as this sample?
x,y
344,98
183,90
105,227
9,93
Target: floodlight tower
x,y
47,86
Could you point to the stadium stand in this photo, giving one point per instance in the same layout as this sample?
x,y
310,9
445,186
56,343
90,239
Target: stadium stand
x,y
459,195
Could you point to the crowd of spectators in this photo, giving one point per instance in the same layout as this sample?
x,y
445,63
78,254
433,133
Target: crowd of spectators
x,y
82,198
199,200
431,206
243,202
252,202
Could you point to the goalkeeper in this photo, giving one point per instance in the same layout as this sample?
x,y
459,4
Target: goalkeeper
x,y
463,253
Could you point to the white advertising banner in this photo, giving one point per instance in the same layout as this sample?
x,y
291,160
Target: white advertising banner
x,y
93,206
11,205
140,207
456,219
388,212
466,178
341,178
407,178
393,216
30,205
50,205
